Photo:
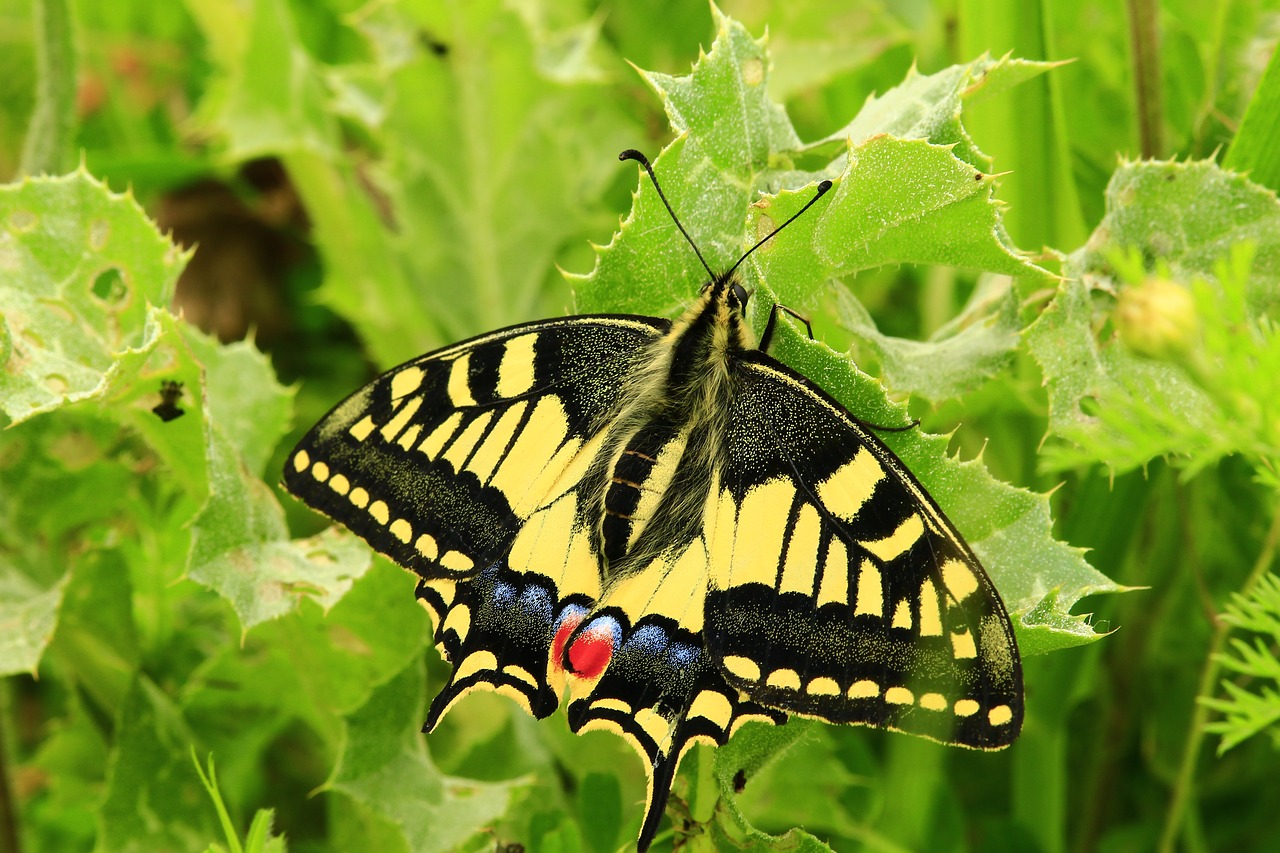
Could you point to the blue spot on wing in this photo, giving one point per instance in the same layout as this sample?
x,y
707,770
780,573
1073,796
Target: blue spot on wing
x,y
537,601
601,624
654,641
683,655
648,639
503,594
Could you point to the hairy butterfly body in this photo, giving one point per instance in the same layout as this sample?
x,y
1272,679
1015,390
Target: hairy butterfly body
x,y
670,527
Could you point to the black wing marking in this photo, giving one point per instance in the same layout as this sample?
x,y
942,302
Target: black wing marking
x,y
839,590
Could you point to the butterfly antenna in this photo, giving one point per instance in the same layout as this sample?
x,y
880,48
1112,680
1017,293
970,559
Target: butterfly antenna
x,y
632,154
822,190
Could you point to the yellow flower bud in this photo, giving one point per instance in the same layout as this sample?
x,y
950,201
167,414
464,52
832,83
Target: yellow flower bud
x,y
1157,319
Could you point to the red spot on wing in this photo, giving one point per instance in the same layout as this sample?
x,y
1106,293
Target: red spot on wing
x,y
583,651
589,655
592,649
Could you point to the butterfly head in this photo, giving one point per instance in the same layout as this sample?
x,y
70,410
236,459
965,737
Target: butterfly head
x,y
729,288
726,285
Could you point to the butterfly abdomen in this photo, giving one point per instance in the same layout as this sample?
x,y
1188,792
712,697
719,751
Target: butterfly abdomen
x,y
640,477
668,431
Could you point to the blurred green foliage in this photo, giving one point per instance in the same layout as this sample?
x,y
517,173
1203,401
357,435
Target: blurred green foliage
x,y
357,183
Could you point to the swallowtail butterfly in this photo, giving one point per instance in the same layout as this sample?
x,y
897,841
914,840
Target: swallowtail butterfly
x,y
670,528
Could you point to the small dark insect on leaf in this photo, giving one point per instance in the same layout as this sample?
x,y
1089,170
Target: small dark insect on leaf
x,y
167,409
739,781
433,44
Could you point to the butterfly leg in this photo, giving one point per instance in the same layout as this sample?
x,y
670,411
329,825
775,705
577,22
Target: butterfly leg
x,y
767,337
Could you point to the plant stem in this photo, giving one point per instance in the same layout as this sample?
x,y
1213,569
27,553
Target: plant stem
x,y
1040,768
1144,37
1182,790
8,813
48,146
912,775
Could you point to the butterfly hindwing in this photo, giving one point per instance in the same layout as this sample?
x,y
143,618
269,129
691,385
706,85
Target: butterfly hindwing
x,y
838,589
659,688
823,581
459,465
498,628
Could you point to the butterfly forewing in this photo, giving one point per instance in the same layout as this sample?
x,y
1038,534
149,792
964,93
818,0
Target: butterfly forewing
x,y
459,465
439,462
839,590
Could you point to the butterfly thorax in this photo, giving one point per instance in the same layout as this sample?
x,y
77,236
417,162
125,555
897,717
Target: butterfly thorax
x,y
700,346
666,438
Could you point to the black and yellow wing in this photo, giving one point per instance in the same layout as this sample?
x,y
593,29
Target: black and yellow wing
x,y
838,589
462,466
824,582
660,689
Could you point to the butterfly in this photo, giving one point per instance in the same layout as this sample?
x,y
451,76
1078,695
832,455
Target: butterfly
x,y
669,527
